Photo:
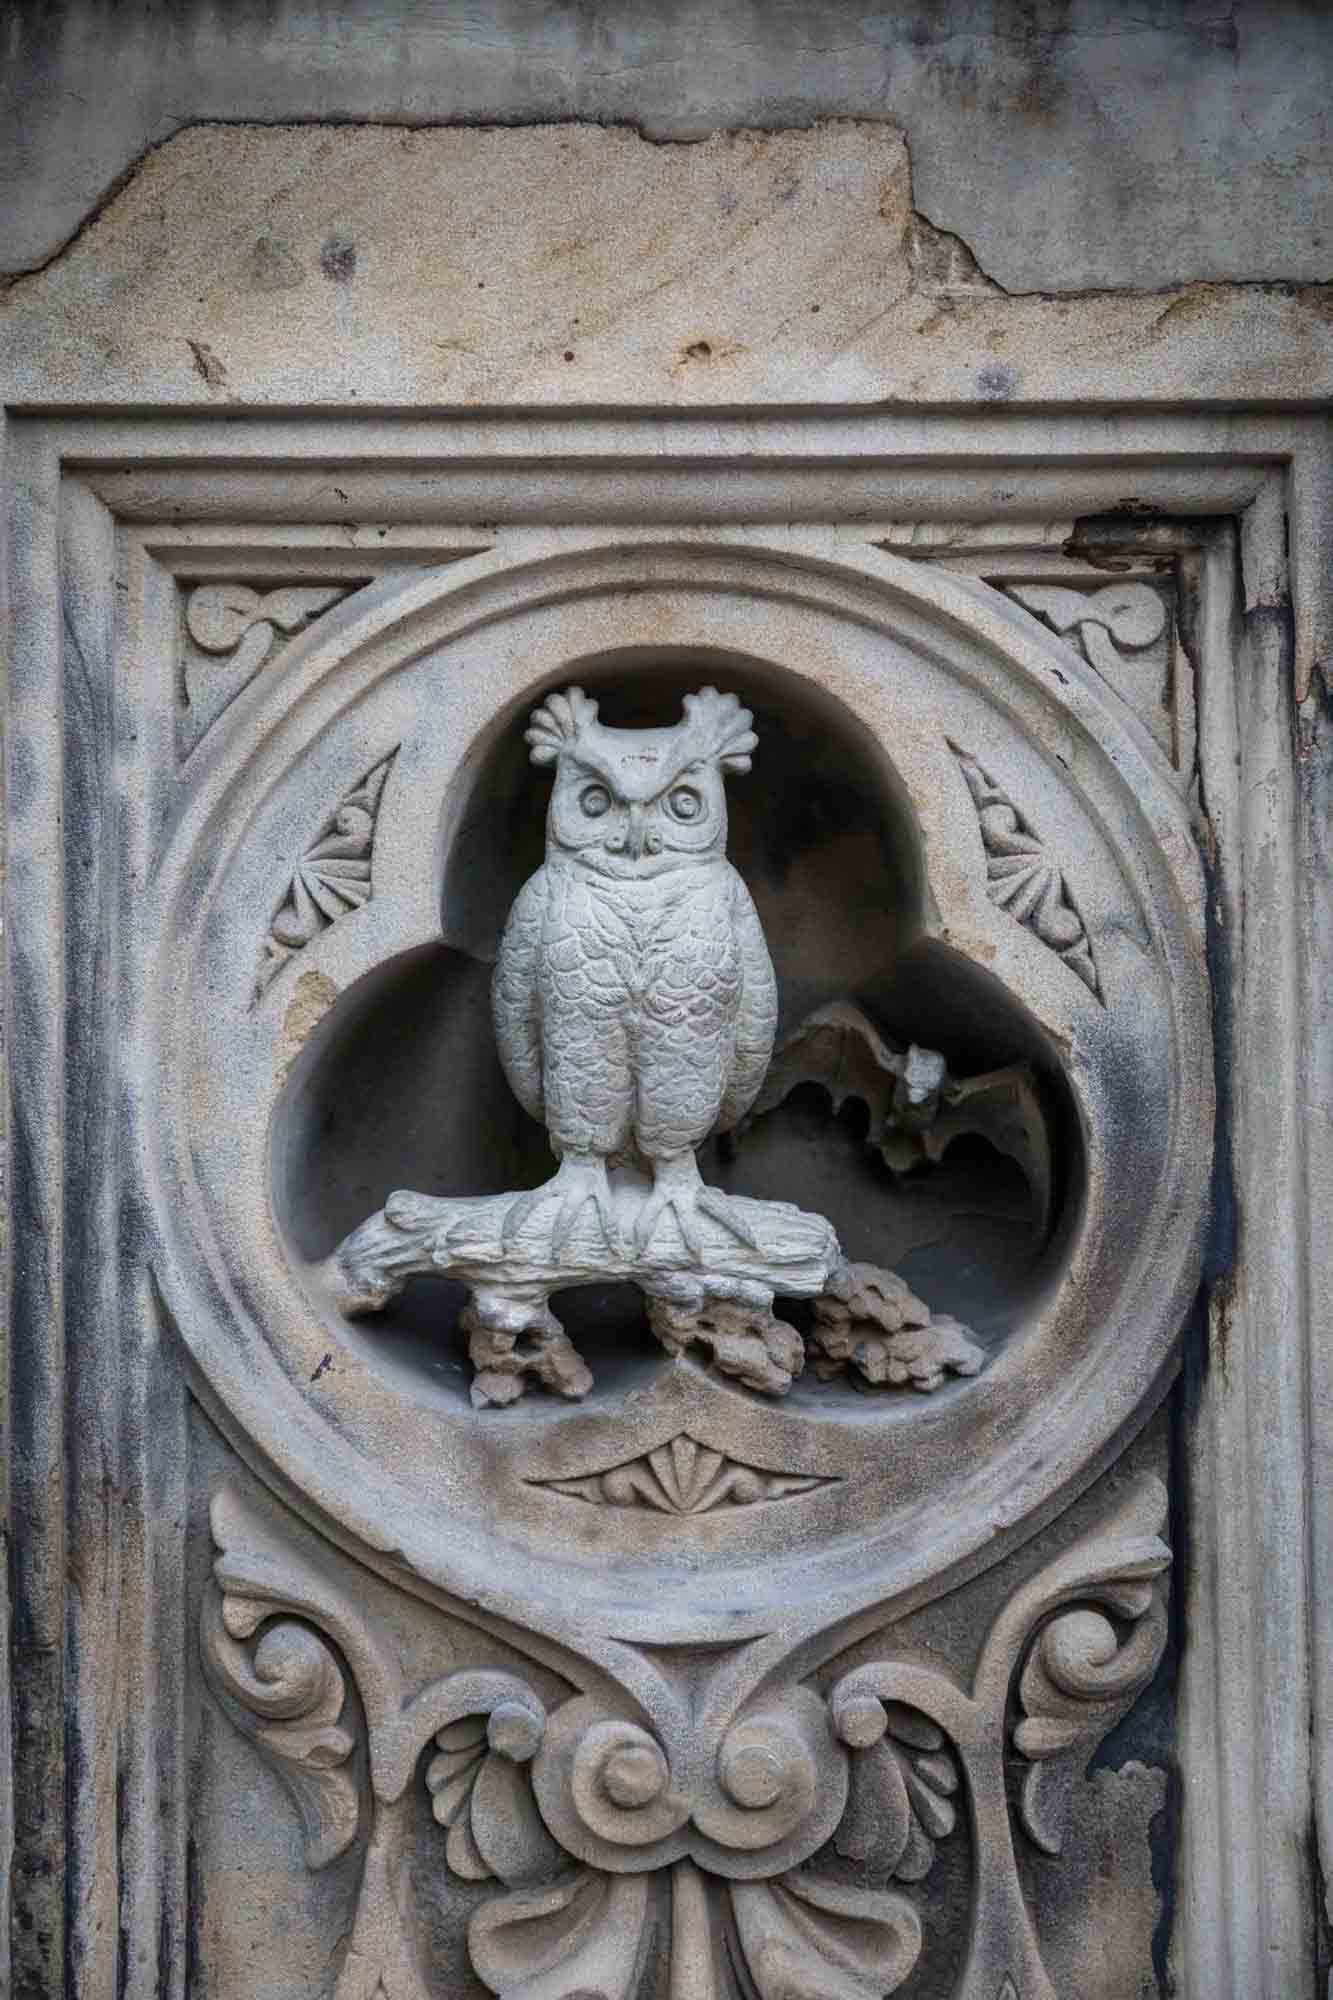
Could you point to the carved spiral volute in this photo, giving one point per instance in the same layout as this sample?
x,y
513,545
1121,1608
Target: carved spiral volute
x,y
767,1795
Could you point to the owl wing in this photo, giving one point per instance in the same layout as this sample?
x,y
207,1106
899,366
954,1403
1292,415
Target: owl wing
x,y
756,1015
515,997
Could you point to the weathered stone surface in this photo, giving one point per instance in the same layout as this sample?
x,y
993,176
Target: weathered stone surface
x,y
335,454
749,267
1039,134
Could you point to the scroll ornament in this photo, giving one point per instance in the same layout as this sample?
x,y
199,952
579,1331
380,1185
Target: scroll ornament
x,y
1112,625
236,630
721,1841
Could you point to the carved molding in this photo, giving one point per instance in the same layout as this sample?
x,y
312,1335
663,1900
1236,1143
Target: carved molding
x,y
604,1829
332,878
233,619
684,1477
1022,878
449,666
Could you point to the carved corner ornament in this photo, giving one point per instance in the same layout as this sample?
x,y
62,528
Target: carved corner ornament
x,y
1122,619
235,630
1022,878
764,1841
635,1009
332,878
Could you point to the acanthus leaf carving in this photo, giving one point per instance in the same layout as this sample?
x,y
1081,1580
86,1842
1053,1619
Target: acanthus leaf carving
x,y
805,1938
480,1795
287,1694
1081,1675
331,879
1022,878
591,1820
581,1938
901,1795
684,1476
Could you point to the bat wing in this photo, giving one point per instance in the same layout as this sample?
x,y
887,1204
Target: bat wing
x,y
837,1047
916,1110
1003,1107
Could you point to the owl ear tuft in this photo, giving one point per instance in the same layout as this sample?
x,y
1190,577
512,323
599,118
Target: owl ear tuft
x,y
558,722
722,728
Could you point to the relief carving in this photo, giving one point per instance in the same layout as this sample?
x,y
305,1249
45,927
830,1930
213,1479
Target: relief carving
x,y
711,1831
684,1477
1122,620
664,1685
287,1694
1022,878
635,1007
331,878
914,1108
231,632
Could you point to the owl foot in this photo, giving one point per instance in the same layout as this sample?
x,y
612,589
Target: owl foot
x,y
679,1192
576,1182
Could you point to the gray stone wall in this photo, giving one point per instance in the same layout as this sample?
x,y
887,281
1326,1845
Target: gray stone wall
x,y
1072,144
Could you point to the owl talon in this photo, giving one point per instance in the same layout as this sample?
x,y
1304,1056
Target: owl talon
x,y
682,1207
519,1212
574,1185
572,1207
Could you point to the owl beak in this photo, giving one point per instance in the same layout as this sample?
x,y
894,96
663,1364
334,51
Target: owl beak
x,y
634,832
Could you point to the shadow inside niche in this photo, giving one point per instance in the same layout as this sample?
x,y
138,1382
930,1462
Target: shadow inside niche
x,y
400,1086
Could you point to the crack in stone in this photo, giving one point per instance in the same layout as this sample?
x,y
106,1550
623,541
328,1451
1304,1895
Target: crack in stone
x,y
942,263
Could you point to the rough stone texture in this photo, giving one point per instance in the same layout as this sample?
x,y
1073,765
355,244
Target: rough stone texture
x,y
569,265
1070,145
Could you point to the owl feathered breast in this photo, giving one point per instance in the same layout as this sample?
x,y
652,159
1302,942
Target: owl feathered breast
x,y
637,1007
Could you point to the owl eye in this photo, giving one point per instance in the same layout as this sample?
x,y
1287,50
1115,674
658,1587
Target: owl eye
x,y
685,803
595,800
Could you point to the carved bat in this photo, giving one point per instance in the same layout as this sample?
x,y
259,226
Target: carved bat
x,y
916,1108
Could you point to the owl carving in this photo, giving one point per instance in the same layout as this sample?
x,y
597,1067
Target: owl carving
x,y
634,998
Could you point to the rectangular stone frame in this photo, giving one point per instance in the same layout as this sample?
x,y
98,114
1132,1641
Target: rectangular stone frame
x,y
104,511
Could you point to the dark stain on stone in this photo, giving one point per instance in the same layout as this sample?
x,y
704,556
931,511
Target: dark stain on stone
x,y
1221,1245
123,1882
1323,1938
193,1954
337,259
997,382
207,364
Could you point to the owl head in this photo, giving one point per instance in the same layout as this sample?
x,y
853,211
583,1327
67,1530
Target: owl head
x,y
640,801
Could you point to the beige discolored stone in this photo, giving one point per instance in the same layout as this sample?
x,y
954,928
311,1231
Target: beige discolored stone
x,y
576,265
